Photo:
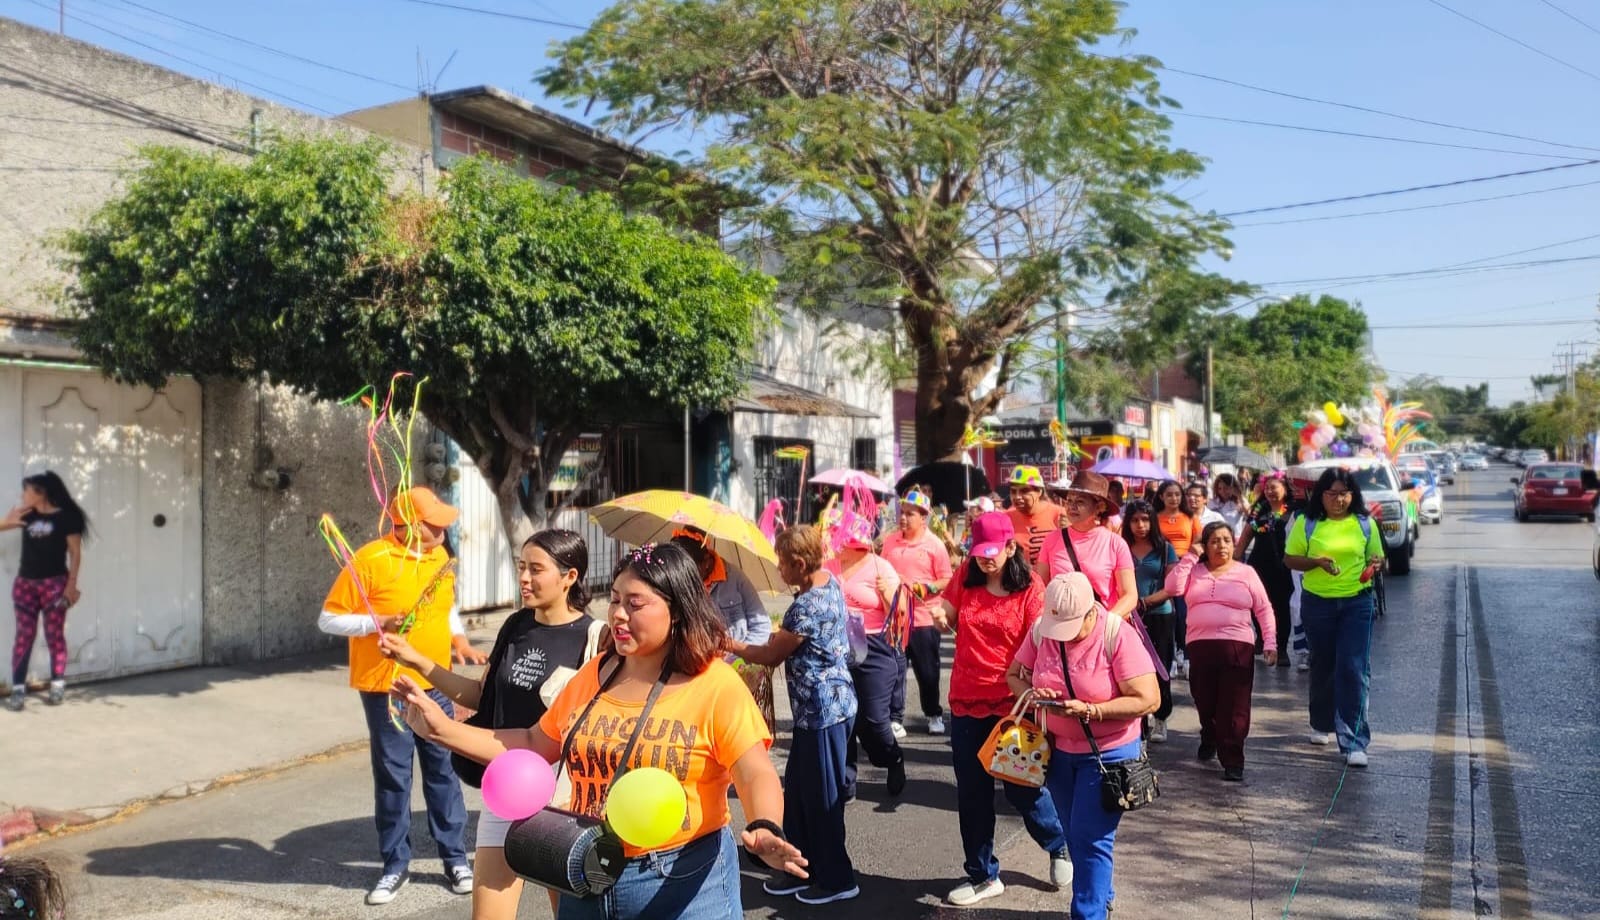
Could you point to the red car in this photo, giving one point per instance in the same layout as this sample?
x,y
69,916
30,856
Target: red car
x,y
1555,488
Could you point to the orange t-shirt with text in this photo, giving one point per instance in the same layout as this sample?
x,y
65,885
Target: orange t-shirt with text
x,y
696,731
1032,529
395,580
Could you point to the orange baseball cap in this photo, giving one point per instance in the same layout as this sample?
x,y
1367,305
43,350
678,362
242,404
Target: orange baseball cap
x,y
420,504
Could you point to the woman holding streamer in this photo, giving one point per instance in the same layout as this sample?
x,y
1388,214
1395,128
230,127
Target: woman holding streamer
x,y
1339,548
538,650
666,678
53,527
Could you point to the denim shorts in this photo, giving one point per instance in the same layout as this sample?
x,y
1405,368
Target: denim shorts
x,y
697,881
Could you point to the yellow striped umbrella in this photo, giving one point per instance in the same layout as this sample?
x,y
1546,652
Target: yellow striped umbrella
x,y
653,516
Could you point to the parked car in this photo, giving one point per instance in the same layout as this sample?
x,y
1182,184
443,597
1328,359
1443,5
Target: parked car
x,y
1532,456
1555,488
1474,462
1430,503
1390,499
1446,462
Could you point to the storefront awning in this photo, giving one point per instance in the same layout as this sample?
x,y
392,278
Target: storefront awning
x,y
768,394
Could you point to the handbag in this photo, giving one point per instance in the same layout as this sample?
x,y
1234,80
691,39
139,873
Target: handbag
x,y
1126,785
569,852
1017,750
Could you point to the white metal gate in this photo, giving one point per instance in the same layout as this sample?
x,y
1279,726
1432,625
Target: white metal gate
x,y
131,457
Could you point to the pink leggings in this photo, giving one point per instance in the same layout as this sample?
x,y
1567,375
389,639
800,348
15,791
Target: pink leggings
x,y
31,597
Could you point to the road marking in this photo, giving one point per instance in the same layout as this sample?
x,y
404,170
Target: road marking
x,y
1510,854
1439,851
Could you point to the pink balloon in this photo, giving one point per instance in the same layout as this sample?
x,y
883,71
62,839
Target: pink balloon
x,y
517,784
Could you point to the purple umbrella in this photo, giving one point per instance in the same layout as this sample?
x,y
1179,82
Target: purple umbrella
x,y
842,478
1132,468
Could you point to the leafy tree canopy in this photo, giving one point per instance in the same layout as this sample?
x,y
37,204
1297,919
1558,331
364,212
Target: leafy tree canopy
x,y
969,162
534,313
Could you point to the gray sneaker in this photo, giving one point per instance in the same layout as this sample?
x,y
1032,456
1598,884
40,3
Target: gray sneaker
x,y
969,894
58,692
18,697
388,886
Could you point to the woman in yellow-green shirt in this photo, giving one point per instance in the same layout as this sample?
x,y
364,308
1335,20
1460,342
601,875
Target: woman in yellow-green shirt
x,y
1337,544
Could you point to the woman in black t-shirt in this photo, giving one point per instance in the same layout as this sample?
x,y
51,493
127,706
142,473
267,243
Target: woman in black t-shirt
x,y
52,528
539,649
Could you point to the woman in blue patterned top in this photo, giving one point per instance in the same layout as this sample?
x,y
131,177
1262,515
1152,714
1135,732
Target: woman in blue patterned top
x,y
812,645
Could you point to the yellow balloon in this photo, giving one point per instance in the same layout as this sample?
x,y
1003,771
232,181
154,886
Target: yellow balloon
x,y
646,807
1335,417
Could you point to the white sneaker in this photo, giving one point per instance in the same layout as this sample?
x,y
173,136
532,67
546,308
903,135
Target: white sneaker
x,y
898,730
936,725
969,894
1180,667
1321,739
1302,662
1158,731
1356,758
1061,872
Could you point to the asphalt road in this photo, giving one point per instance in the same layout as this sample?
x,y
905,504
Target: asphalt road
x,y
1483,798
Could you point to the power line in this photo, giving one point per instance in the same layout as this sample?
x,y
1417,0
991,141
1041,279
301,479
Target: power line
x,y
1517,41
1570,16
1441,270
1402,191
501,14
1419,207
1368,109
1507,255
1373,137
269,49
1507,325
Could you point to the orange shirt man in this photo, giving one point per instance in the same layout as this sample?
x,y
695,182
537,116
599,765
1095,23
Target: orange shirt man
x,y
1032,516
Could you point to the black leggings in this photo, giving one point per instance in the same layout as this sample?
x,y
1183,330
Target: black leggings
x,y
1161,627
922,654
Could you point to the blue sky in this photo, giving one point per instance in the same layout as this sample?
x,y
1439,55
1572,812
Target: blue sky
x,y
1411,57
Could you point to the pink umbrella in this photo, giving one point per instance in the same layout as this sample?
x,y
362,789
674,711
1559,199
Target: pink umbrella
x,y
842,478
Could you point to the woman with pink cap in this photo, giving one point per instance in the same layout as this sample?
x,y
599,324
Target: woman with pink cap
x,y
995,600
869,582
1097,667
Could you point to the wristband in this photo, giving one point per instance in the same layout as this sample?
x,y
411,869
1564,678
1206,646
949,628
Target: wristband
x,y
763,824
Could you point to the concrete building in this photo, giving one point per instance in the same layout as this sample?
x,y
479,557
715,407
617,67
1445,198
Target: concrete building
x,y
191,560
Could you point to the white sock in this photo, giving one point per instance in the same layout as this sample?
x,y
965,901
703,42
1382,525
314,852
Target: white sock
x,y
58,683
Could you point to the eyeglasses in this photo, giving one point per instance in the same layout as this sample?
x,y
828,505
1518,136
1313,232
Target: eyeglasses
x,y
1338,493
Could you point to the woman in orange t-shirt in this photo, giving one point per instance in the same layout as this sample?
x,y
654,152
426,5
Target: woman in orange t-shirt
x,y
704,727
1176,523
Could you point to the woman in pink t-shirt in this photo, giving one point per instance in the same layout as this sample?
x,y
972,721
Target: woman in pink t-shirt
x,y
1102,554
868,582
923,562
992,603
1223,594
1112,685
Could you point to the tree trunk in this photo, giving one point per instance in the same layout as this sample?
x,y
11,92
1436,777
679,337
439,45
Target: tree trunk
x,y
946,403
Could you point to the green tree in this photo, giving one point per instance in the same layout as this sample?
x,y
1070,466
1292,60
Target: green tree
x,y
1288,357
1457,411
967,161
534,313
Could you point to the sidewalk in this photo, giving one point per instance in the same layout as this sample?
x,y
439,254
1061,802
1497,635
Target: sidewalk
x,y
116,745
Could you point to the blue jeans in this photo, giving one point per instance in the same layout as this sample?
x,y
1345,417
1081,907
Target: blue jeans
x,y
1339,633
813,803
697,881
975,802
1074,784
391,750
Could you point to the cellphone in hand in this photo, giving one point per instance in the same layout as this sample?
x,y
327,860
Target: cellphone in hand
x,y
1368,572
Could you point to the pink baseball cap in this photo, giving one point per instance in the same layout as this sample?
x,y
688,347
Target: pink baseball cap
x,y
990,534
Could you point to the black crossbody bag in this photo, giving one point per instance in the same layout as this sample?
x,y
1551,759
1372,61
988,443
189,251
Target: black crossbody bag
x,y
566,851
1127,785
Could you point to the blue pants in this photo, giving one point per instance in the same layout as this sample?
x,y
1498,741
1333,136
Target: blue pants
x,y
923,655
391,750
1074,784
697,881
975,802
874,677
813,803
1339,633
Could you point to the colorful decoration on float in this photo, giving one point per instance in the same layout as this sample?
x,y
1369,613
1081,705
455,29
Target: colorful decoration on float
x,y
1373,428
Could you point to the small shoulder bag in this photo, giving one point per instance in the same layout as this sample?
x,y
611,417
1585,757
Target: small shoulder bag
x,y
1126,785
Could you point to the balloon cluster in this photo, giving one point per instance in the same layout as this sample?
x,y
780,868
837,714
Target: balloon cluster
x,y
644,807
1375,427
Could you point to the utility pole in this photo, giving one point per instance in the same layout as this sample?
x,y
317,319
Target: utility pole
x,y
61,17
1062,325
1210,394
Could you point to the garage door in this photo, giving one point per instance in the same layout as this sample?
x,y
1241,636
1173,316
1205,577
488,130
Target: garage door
x,y
131,456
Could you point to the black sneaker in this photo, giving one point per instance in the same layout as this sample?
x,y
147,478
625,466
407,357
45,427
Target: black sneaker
x,y
818,896
1207,753
388,886
897,785
1233,774
460,878
784,885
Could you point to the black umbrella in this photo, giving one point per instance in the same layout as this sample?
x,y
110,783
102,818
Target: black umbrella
x,y
950,482
1236,456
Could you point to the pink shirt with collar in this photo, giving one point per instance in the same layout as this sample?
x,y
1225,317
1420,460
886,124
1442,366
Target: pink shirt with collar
x,y
1221,603
924,560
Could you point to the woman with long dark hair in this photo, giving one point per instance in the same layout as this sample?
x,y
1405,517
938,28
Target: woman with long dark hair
x,y
1338,546
1265,533
539,649
992,602
665,670
53,528
1153,556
